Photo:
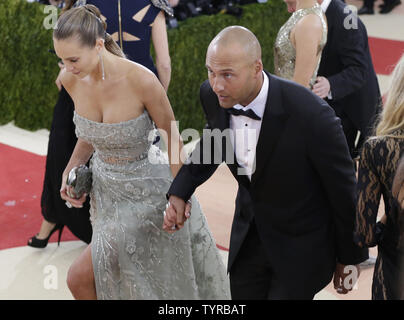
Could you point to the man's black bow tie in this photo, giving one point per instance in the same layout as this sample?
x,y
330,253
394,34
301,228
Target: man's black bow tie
x,y
239,112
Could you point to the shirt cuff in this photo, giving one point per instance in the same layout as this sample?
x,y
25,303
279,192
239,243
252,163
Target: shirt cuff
x,y
329,97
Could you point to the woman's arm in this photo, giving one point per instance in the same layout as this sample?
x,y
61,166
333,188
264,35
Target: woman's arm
x,y
160,43
81,154
156,102
306,38
369,193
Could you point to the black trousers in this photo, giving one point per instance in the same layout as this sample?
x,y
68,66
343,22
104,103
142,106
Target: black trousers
x,y
370,3
252,278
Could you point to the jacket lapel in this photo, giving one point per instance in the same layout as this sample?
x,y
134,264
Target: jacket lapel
x,y
272,126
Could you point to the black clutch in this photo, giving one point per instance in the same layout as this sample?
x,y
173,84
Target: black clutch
x,y
80,180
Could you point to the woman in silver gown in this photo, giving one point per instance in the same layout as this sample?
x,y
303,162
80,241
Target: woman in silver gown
x,y
300,41
118,105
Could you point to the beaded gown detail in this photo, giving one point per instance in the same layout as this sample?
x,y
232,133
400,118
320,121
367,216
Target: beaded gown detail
x,y
285,52
133,257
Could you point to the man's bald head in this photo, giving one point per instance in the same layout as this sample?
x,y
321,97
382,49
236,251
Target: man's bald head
x,y
237,37
234,66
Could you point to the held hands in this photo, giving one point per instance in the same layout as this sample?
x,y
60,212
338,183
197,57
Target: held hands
x,y
321,87
67,195
345,277
177,212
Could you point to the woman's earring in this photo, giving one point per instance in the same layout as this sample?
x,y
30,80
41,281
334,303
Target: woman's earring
x,y
102,67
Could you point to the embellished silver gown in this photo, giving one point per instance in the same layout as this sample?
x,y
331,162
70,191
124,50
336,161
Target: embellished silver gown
x,y
285,52
133,257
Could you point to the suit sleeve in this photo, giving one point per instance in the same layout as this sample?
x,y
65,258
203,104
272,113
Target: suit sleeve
x,y
200,166
352,47
328,151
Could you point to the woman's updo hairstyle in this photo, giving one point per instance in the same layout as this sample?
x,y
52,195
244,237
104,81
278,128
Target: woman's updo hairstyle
x,y
85,24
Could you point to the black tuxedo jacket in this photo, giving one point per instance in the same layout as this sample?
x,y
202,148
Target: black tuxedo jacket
x,y
302,193
347,64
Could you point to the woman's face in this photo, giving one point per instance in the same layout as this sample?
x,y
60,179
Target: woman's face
x,y
78,59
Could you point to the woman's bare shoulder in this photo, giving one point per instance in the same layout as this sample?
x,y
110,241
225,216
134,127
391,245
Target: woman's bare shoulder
x,y
310,23
140,77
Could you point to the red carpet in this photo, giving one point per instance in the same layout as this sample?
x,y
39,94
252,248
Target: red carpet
x,y
385,54
21,179
21,172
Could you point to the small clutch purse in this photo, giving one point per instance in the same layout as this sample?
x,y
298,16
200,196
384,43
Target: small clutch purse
x,y
80,180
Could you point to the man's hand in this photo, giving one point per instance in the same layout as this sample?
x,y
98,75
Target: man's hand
x,y
345,277
321,87
176,213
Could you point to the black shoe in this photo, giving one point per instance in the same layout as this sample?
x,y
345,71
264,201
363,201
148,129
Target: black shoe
x,y
365,10
390,6
42,243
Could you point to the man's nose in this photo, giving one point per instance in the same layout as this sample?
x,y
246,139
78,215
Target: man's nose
x,y
217,85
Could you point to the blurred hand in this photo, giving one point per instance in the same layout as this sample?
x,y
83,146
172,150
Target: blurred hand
x,y
321,87
66,193
345,277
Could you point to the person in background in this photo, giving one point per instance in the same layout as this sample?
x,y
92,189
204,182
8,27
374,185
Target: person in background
x,y
386,7
62,140
346,77
398,196
300,41
347,80
377,166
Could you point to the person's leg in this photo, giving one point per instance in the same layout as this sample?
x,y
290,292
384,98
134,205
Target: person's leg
x,y
80,277
389,5
46,228
280,291
250,272
367,7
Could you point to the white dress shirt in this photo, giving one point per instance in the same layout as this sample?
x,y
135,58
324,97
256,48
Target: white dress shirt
x,y
246,130
325,5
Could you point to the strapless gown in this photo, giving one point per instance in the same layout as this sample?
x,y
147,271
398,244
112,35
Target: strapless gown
x,y
133,257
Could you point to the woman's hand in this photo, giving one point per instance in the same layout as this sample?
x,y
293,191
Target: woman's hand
x,y
66,193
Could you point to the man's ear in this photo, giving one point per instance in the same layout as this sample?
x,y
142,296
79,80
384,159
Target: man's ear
x,y
258,67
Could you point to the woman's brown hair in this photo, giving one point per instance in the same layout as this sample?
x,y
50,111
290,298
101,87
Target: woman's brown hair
x,y
85,23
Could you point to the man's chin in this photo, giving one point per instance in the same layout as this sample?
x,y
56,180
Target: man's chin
x,y
226,105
